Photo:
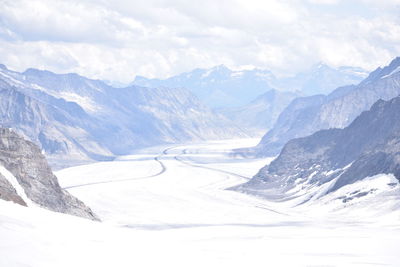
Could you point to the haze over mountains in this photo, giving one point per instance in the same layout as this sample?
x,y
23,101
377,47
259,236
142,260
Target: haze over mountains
x,y
173,182
307,115
253,99
76,119
199,133
260,114
220,87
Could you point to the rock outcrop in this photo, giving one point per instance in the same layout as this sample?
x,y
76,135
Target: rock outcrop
x,y
25,161
370,145
8,192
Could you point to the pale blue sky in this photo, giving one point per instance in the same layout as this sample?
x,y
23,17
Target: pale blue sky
x,y
118,39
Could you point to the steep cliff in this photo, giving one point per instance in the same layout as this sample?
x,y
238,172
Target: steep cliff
x,y
25,161
369,146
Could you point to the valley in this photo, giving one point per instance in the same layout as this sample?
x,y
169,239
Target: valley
x,y
199,133
173,201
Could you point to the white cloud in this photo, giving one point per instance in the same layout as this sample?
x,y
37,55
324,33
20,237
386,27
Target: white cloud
x,y
324,2
119,39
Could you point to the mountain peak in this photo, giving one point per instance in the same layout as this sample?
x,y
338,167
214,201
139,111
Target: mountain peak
x,y
395,63
385,72
220,68
39,72
320,66
33,71
3,67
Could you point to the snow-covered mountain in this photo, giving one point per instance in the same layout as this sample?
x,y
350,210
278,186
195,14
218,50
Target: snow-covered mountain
x,y
74,118
324,162
26,178
220,87
260,114
307,115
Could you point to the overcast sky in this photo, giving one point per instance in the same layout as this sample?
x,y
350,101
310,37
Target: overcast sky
x,y
118,39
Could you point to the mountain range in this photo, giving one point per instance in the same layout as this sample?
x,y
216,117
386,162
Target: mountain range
x,y
75,119
220,87
334,158
306,115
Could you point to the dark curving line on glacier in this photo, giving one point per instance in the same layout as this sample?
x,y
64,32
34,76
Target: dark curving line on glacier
x,y
225,172
207,168
157,159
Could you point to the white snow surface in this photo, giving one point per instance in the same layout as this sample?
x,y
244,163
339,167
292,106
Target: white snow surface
x,y
14,182
85,102
167,206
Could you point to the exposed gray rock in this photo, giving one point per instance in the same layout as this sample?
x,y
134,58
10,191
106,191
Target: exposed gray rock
x,y
8,192
29,166
305,116
370,145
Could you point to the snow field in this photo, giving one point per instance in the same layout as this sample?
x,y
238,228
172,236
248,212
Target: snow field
x,y
185,217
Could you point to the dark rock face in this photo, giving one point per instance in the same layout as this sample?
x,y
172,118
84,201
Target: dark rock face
x,y
8,192
26,162
305,116
367,147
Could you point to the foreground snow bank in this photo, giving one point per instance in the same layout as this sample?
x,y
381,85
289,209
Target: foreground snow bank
x,y
184,217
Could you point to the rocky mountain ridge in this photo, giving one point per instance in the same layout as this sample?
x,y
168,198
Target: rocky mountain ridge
x,y
307,115
29,168
369,146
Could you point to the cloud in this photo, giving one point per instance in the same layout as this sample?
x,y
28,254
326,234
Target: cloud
x,y
116,40
324,2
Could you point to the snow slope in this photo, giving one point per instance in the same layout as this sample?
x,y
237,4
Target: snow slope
x,y
166,206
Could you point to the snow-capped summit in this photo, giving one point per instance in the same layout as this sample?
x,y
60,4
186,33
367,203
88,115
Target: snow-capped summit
x,y
220,87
